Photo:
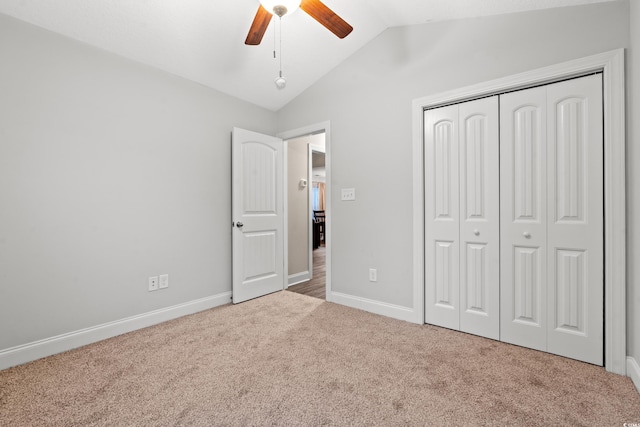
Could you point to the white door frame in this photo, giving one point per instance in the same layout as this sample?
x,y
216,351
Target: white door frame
x,y
612,65
323,127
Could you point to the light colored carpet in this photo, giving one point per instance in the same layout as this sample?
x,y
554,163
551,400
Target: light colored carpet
x,y
288,359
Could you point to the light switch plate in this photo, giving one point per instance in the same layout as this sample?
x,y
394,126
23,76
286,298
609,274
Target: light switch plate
x,y
348,194
164,281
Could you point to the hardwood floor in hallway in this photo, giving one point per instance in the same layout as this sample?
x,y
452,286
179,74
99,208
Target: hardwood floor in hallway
x,y
317,285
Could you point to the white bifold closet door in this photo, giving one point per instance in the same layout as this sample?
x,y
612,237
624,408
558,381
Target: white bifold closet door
x,y
462,217
551,202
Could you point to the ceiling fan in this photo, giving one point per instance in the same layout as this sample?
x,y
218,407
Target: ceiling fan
x,y
314,8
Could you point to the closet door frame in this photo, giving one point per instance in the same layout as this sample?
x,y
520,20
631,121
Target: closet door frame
x,y
611,64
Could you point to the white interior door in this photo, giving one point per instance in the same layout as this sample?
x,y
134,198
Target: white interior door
x,y
479,218
523,195
552,262
575,219
442,218
257,214
462,256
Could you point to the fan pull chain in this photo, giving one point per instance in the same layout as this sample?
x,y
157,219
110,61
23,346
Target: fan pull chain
x,y
280,46
280,81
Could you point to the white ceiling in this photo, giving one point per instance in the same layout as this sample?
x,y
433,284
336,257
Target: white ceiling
x,y
203,40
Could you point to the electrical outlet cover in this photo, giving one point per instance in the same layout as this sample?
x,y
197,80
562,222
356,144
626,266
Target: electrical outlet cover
x,y
153,283
164,281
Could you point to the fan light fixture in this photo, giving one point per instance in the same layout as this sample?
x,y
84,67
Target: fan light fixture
x,y
280,7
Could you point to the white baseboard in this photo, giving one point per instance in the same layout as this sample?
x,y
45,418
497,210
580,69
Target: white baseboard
x,y
49,346
633,371
294,279
372,306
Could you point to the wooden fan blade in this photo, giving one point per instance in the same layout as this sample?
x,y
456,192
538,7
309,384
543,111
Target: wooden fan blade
x,y
327,17
258,27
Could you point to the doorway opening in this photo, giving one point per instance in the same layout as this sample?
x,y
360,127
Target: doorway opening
x,y
307,214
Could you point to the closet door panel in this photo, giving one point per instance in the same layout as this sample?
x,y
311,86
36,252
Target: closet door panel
x,y
575,233
480,218
523,292
442,218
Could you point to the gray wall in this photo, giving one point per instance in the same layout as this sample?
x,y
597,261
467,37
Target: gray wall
x,y
633,186
110,172
368,101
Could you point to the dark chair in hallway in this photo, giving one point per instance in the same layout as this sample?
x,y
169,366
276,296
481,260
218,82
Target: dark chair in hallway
x,y
318,228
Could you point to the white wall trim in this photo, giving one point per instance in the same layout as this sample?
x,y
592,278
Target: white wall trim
x,y
612,65
310,130
303,276
285,212
376,307
49,346
633,370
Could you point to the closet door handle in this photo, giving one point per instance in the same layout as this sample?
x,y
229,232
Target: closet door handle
x,y
526,234
476,232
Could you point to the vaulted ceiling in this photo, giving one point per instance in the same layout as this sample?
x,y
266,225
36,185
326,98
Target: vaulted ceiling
x,y
203,40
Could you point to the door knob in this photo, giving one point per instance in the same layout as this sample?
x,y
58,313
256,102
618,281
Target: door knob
x,y
526,234
476,232
239,224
